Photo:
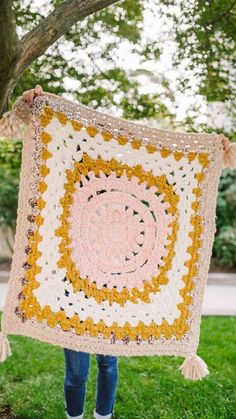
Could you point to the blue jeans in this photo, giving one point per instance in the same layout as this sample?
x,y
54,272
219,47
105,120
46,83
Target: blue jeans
x,y
77,366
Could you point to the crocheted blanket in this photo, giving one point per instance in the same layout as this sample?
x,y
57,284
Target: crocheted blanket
x,y
115,227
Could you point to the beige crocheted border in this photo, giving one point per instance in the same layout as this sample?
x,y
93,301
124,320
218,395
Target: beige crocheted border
x,y
12,324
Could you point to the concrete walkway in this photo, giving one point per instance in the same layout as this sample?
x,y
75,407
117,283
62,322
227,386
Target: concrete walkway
x,y
219,299
3,294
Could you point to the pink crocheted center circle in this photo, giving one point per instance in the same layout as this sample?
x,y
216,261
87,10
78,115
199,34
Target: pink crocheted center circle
x,y
117,240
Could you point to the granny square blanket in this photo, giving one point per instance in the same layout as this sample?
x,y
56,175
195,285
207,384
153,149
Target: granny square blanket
x,y
115,227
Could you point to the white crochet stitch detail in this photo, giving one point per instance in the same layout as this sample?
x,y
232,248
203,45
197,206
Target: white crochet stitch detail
x,y
179,173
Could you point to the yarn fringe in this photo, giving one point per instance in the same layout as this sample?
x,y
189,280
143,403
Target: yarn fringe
x,y
5,349
194,368
229,158
10,125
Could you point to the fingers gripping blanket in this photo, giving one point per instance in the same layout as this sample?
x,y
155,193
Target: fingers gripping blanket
x,y
115,226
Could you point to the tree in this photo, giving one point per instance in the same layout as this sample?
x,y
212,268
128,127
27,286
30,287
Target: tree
x,y
205,35
17,54
96,38
205,44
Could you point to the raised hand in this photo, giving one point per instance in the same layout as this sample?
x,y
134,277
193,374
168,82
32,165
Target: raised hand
x,y
29,95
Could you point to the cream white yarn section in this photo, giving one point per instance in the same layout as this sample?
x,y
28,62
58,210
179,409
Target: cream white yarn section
x,y
164,303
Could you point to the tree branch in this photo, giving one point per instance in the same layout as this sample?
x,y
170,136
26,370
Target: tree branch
x,y
36,42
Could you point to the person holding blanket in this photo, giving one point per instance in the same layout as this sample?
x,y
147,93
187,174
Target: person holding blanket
x,y
77,363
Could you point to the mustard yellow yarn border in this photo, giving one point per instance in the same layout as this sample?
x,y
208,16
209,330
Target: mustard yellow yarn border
x,y
32,307
65,261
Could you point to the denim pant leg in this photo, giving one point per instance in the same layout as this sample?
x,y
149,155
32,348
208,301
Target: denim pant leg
x,y
107,380
77,371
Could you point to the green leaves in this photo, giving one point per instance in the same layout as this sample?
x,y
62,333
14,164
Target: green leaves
x,y
10,161
225,240
205,33
225,246
88,54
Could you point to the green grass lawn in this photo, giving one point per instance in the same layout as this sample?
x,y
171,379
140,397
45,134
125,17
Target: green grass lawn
x,y
149,387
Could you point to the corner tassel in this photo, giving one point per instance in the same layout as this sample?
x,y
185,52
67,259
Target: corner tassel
x,y
9,125
229,158
5,349
194,368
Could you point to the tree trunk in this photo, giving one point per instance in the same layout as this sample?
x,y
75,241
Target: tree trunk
x,y
9,44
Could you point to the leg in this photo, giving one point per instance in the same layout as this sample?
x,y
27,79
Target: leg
x,y
106,385
76,375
